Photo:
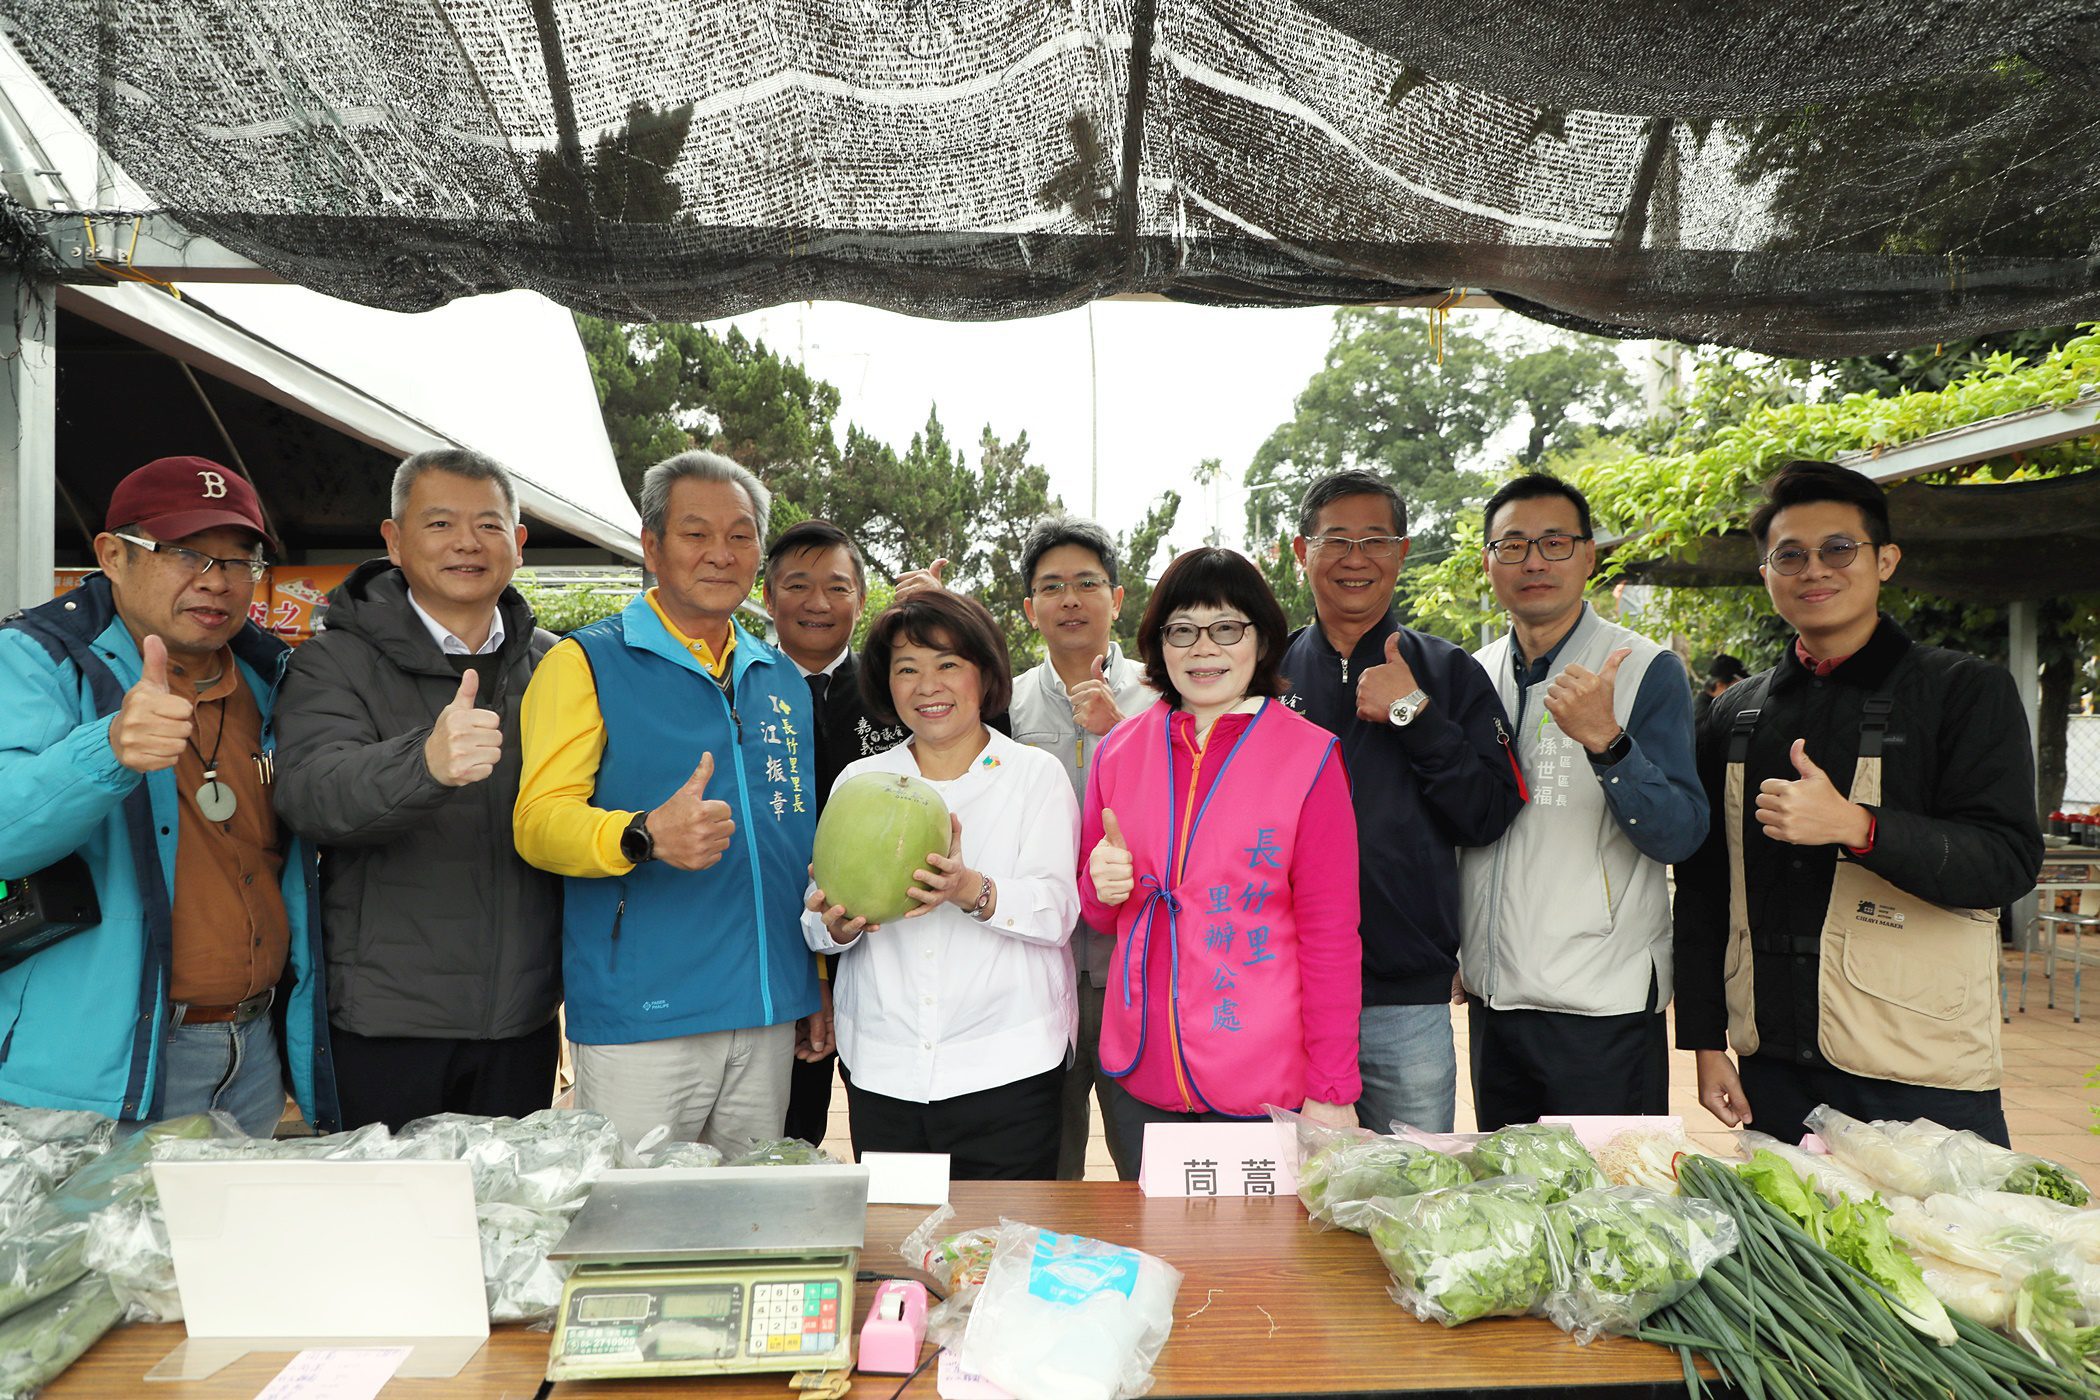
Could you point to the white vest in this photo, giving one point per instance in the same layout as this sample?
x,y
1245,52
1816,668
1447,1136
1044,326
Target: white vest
x,y
1564,913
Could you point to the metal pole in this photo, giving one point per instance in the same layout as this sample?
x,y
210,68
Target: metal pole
x,y
1093,378
28,443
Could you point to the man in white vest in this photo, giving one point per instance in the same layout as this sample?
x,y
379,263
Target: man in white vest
x,y
1566,949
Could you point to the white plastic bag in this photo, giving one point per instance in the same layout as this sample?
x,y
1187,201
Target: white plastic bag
x,y
1621,1253
1064,1317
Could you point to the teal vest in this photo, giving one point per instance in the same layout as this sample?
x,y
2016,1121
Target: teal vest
x,y
661,952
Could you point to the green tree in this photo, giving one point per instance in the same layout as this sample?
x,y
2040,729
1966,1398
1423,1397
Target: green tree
x,y
1141,552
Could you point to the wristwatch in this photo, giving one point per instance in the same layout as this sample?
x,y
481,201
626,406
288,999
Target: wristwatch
x,y
636,844
1404,710
1615,751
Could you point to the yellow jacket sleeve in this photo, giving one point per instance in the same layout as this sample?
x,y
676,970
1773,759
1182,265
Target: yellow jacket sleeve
x,y
555,825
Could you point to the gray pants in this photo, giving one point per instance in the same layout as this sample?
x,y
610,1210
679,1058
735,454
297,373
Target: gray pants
x,y
1082,1078
728,1089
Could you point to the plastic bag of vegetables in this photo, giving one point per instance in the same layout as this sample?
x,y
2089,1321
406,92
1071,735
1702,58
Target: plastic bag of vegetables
x,y
1466,1252
1833,1180
1341,1170
1643,1157
1549,1153
1621,1252
41,1340
1960,1231
2075,1229
1924,1158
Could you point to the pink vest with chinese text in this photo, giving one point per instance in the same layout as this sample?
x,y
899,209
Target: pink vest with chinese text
x,y
1211,917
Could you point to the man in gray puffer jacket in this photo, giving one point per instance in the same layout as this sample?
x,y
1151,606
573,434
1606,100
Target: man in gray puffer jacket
x,y
398,753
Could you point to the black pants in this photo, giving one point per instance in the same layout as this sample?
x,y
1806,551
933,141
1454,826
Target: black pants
x,y
1781,1095
1130,1114
1009,1133
809,1098
396,1079
1528,1064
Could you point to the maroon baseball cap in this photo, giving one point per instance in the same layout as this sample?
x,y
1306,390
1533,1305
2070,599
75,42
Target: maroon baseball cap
x,y
175,497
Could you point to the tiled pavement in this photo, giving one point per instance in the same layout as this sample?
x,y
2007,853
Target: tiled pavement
x,y
2048,1104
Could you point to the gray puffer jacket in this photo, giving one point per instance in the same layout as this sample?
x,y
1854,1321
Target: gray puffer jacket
x,y
432,924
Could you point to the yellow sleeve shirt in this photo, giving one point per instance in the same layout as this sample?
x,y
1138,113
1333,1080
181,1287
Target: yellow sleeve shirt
x,y
555,825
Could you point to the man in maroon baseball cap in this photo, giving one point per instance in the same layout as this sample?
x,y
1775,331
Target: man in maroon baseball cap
x,y
144,696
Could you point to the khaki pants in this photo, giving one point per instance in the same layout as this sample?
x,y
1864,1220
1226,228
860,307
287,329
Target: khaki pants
x,y
728,1089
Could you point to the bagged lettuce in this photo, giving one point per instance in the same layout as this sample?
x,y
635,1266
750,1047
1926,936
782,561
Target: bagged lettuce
x,y
1339,1182
1549,1153
1622,1252
1466,1252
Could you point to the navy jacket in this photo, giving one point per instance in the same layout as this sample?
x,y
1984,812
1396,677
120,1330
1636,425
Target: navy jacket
x,y
1444,781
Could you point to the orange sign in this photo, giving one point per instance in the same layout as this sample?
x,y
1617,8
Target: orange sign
x,y
288,604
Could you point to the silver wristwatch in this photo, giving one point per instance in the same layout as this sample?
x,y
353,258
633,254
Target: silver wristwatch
x,y
1404,710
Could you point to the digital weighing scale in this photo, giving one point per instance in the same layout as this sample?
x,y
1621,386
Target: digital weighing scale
x,y
711,1271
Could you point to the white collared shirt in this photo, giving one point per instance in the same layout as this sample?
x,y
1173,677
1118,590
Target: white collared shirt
x,y
829,670
941,1005
451,645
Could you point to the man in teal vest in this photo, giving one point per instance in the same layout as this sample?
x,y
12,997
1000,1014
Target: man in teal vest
x,y
670,776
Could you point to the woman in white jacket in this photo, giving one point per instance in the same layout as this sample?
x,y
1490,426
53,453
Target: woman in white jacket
x,y
955,1021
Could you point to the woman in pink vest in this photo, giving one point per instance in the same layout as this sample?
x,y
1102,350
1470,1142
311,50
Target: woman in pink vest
x,y
1222,850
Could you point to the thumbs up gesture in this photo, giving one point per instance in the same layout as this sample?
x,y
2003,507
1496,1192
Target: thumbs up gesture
x,y
1109,866
690,830
466,743
1580,701
1808,810
1377,687
920,580
153,725
1093,703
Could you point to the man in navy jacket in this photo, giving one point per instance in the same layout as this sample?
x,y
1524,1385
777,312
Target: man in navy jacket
x,y
1427,748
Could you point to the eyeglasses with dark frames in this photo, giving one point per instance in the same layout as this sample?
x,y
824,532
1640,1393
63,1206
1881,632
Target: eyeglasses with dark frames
x,y
1790,559
1515,549
1225,631
1378,547
197,564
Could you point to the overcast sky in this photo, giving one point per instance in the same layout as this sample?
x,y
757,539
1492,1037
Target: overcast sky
x,y
1177,384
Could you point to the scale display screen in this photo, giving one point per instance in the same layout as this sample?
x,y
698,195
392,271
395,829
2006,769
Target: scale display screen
x,y
696,1303
612,1307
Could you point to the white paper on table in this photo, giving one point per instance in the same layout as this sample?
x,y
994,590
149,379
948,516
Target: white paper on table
x,y
335,1373
1219,1159
956,1381
906,1178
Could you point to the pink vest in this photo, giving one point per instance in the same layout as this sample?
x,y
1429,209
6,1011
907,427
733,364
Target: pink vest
x,y
1214,919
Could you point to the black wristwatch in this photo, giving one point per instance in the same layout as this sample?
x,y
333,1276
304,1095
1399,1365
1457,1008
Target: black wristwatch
x,y
636,844
1615,751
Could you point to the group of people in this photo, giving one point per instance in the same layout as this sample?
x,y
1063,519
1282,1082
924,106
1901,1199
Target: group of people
x,y
1248,866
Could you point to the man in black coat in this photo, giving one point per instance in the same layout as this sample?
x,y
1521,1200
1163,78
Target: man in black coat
x,y
816,585
398,755
1873,807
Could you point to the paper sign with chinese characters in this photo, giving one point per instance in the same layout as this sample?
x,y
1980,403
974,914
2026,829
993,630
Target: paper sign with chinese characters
x,y
1218,1159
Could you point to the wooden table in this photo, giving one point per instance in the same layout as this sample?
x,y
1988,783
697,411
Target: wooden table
x,y
1268,1306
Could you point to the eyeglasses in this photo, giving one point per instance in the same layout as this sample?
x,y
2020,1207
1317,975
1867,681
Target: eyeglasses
x,y
1086,586
1225,631
1516,549
1376,547
1838,552
196,564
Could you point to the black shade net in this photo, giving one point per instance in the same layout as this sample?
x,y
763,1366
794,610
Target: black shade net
x,y
1802,178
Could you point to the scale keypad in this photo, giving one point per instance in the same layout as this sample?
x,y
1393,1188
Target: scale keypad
x,y
794,1317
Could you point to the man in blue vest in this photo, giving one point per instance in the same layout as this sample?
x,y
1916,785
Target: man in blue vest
x,y
670,776
139,739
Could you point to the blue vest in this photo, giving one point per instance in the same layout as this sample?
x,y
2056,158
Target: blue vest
x,y
661,952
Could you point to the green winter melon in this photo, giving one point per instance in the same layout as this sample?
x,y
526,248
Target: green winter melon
x,y
878,828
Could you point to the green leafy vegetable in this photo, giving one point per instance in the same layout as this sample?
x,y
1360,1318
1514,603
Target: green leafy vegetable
x,y
1548,1152
1622,1252
2039,1177
1338,1182
1466,1252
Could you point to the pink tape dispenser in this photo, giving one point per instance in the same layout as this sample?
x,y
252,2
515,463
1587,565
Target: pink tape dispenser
x,y
896,1328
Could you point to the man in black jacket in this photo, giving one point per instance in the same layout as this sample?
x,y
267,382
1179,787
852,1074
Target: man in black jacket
x,y
816,585
1873,805
1427,748
398,753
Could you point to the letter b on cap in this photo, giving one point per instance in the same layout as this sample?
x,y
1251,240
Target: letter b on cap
x,y
214,485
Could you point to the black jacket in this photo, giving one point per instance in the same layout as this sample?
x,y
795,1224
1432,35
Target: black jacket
x,y
1956,824
846,731
1444,781
432,924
